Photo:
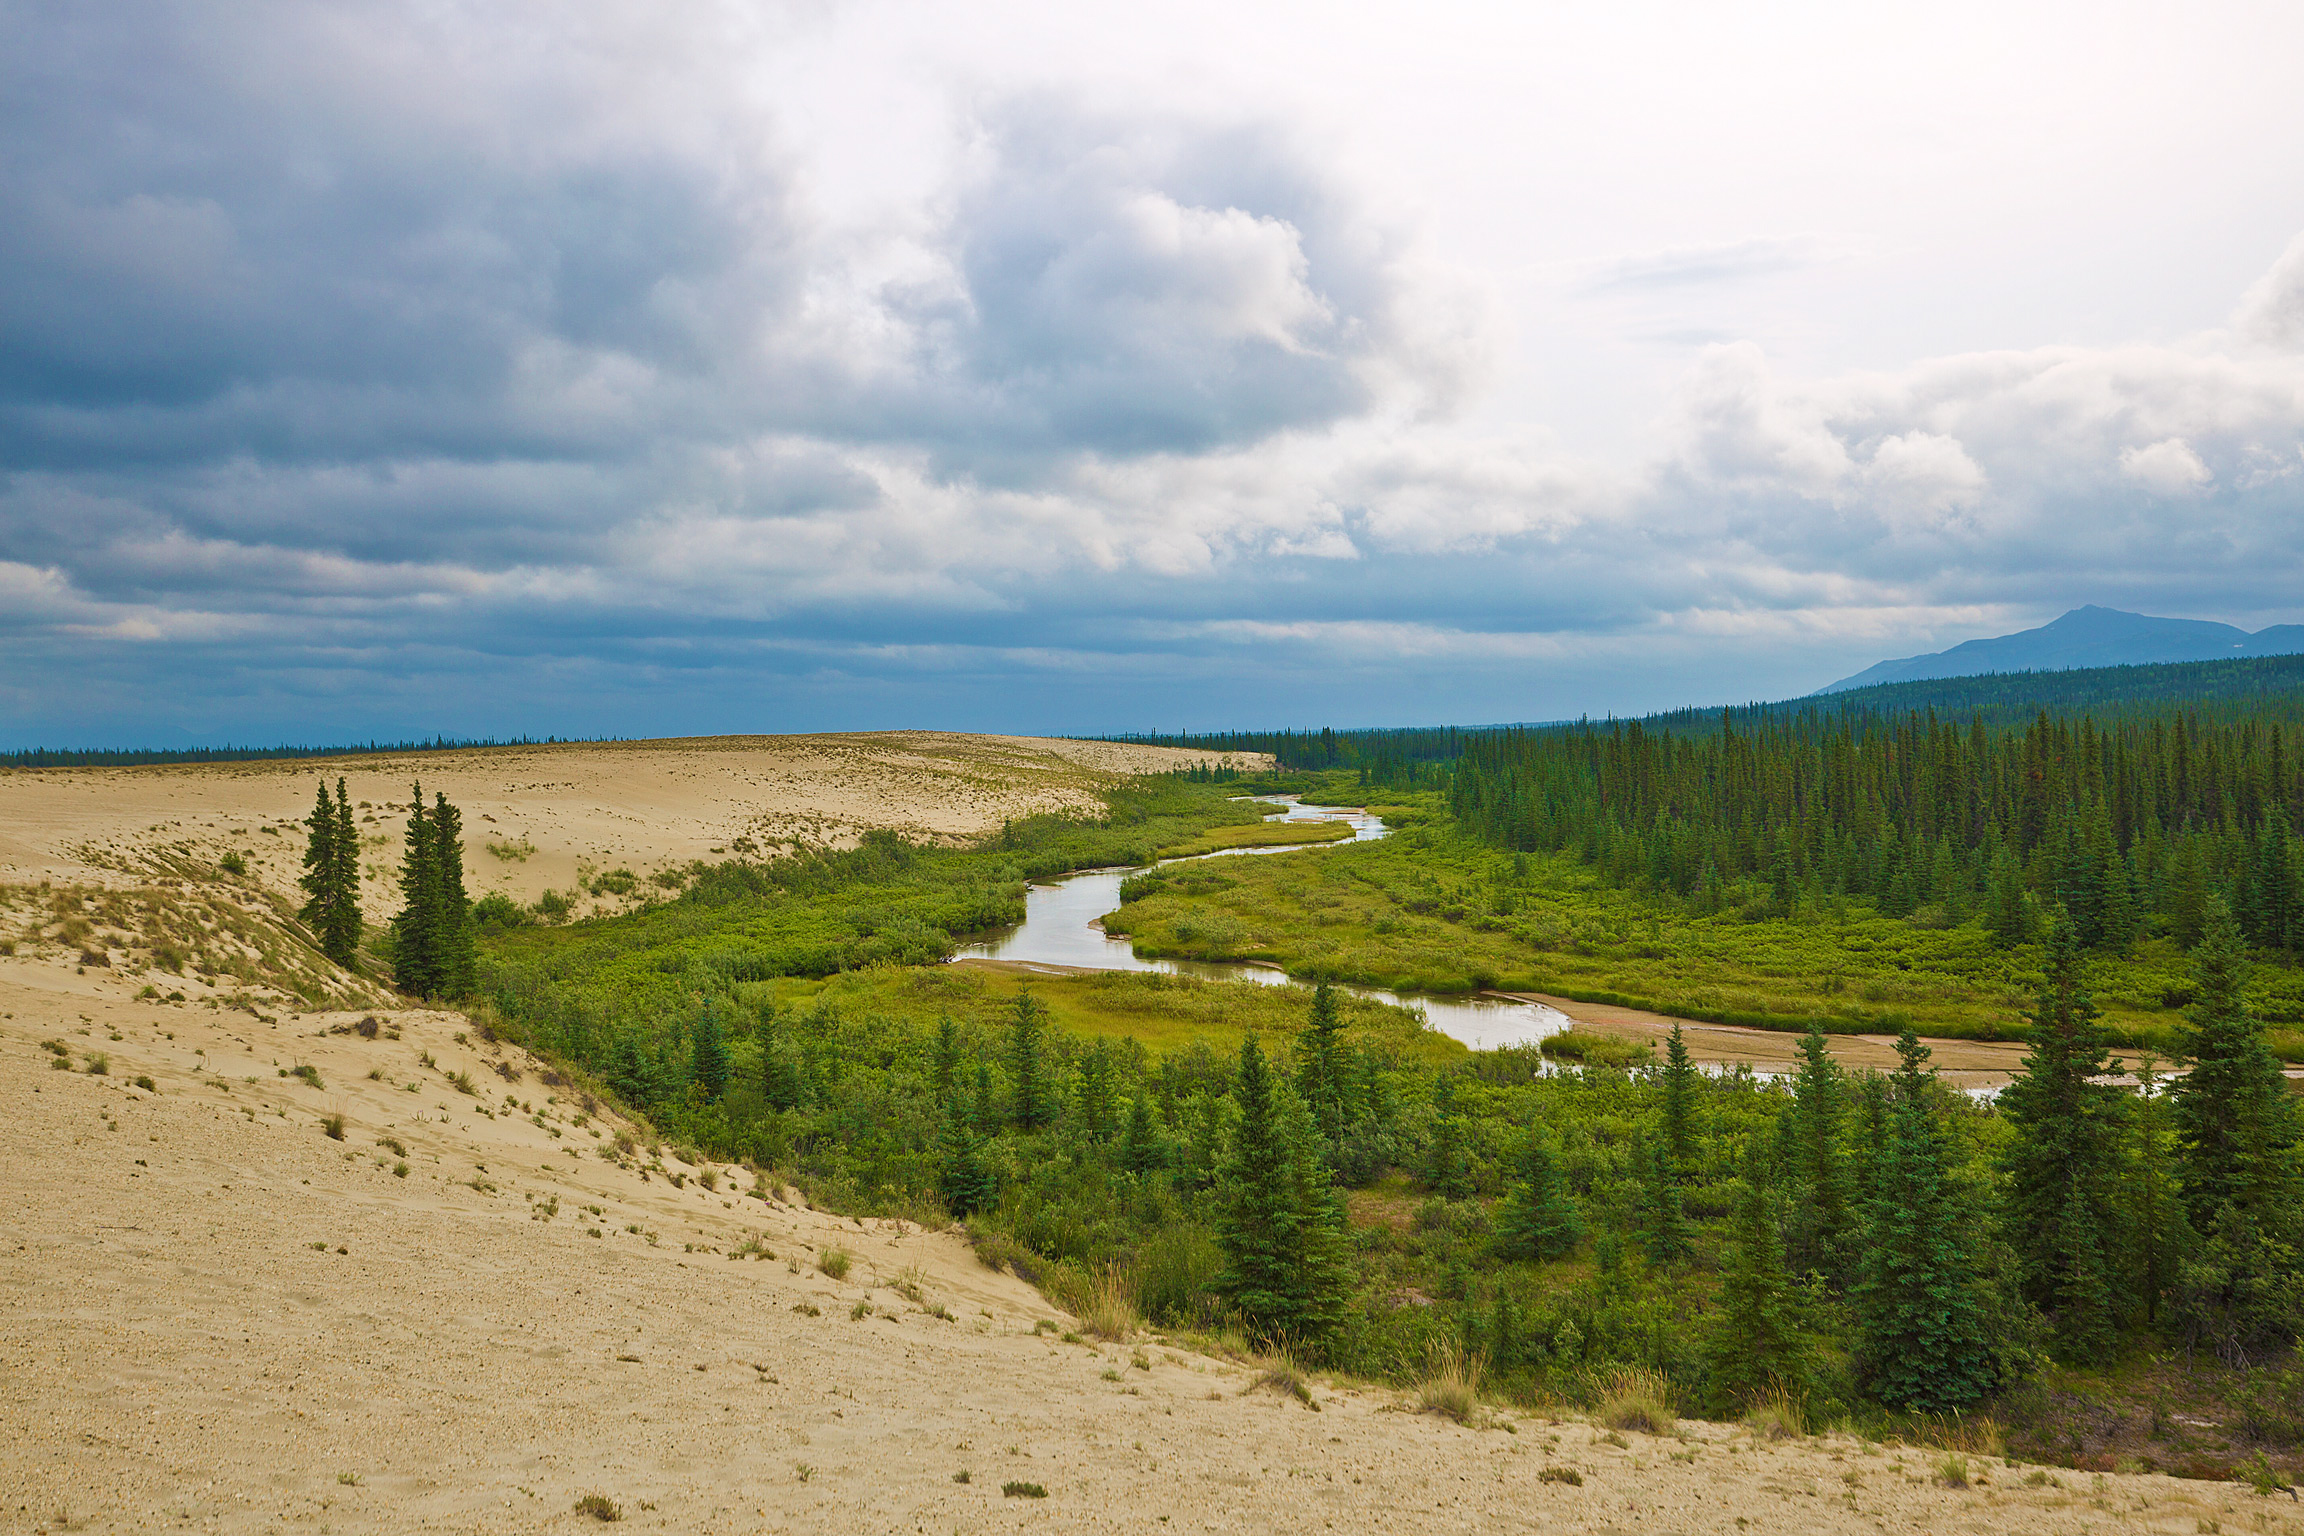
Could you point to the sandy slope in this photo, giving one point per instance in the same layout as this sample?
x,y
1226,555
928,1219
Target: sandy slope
x,y
544,817
214,1317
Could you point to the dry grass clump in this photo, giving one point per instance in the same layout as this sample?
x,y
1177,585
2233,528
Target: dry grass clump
x,y
1105,1304
600,1507
1637,1398
1451,1384
1777,1414
1952,1469
332,1126
1279,1372
1560,1474
1979,1435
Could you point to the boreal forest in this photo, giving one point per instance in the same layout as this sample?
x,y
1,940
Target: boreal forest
x,y
2098,1259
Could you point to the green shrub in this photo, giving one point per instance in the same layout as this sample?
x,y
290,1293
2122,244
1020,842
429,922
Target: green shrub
x,y
1022,1491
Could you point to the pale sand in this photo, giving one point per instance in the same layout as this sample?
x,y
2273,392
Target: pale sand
x,y
185,1347
213,1317
547,817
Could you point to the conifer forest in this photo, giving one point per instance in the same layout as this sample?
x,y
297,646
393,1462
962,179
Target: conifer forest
x,y
1306,1168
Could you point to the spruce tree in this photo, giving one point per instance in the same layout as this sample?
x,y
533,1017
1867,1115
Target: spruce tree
x,y
2236,1125
1665,1236
1092,1093
1322,1072
1277,1220
415,943
1820,1179
1753,1339
2157,1233
332,907
2237,1139
2006,914
2062,1162
1920,1339
1142,1150
340,940
1028,1093
1447,1168
986,1118
781,1085
1538,1221
708,1056
961,1177
946,1066
457,954
1680,1088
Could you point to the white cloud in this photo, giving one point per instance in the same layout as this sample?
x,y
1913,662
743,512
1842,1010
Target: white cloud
x,y
2167,468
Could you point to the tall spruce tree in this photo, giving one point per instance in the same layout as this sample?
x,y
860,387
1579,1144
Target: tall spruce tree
x,y
1277,1219
961,1177
708,1055
1665,1236
2237,1137
331,878
2062,1164
1681,1081
946,1063
1820,1212
415,943
1538,1221
1920,1332
1142,1148
340,939
1094,1108
2157,1233
2236,1124
781,1085
1027,1085
1753,1340
1322,1072
451,926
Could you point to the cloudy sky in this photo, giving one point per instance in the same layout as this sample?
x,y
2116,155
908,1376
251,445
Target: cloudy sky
x,y
373,369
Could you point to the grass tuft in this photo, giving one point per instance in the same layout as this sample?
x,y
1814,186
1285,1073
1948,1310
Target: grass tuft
x,y
1637,1398
332,1126
1022,1491
1451,1384
835,1262
600,1507
1777,1414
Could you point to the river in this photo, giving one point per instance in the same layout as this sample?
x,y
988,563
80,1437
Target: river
x,y
1061,927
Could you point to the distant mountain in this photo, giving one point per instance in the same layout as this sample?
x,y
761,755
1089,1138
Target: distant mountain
x,y
2086,637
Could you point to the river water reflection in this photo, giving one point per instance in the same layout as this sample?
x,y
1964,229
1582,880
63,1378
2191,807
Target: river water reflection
x,y
1061,919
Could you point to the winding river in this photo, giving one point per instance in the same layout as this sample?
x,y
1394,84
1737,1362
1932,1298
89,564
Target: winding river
x,y
1062,927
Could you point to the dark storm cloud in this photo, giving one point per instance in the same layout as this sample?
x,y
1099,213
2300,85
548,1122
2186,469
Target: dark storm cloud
x,y
378,369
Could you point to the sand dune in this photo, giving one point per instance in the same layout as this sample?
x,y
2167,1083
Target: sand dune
x,y
492,1298
216,1317
555,817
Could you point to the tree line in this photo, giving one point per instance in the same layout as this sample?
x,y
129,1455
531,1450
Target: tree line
x,y
2126,828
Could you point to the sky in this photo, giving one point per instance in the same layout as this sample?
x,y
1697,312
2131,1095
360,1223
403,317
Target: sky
x,y
376,370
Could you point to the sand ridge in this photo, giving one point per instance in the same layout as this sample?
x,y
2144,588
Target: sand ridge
x,y
558,816
216,1317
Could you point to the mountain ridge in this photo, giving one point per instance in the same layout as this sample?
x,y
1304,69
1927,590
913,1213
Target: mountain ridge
x,y
2086,637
